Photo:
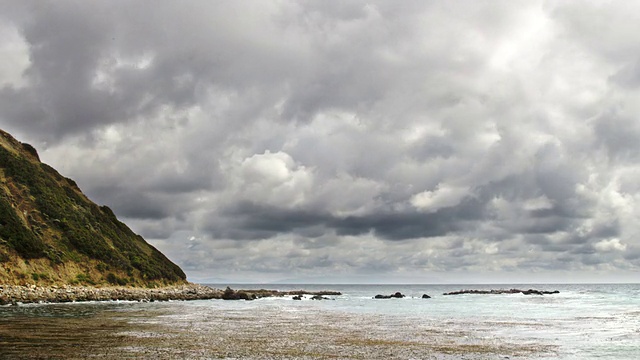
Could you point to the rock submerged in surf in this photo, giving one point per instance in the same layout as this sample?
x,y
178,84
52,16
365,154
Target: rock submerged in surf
x,y
397,295
503,291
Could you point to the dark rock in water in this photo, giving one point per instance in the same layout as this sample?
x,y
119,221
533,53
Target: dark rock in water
x,y
397,295
319,297
425,296
532,292
244,296
230,294
503,291
297,297
539,292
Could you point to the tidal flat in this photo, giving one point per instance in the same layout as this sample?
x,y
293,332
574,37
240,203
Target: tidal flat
x,y
215,329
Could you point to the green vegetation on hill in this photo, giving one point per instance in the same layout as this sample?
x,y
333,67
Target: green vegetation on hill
x,y
45,216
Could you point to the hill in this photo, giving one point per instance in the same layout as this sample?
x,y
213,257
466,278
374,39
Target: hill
x,y
51,233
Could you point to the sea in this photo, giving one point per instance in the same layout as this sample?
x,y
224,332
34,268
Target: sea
x,y
582,321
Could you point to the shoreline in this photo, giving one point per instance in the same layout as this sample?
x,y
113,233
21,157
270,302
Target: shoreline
x,y
29,294
19,294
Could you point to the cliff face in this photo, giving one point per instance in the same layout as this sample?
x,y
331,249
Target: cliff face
x,y
51,233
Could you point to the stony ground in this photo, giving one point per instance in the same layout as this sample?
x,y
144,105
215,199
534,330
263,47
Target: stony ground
x,y
207,330
12,294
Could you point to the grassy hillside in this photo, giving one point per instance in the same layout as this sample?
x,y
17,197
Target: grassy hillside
x,y
51,233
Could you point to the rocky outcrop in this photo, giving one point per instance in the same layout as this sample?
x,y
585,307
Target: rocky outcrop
x,y
503,291
397,295
276,293
425,296
539,292
14,294
230,294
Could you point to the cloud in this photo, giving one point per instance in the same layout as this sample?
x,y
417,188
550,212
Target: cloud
x,y
443,196
305,137
610,245
273,179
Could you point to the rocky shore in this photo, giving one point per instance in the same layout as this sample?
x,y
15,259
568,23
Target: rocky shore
x,y
14,294
503,291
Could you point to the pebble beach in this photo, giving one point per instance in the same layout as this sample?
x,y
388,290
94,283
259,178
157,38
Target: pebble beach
x,y
14,294
19,294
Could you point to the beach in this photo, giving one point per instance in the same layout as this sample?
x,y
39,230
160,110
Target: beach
x,y
180,330
577,323
28,294
13,294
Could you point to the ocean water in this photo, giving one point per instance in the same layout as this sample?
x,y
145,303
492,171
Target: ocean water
x,y
585,321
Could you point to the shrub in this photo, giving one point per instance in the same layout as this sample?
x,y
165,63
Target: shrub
x,y
112,279
115,280
84,278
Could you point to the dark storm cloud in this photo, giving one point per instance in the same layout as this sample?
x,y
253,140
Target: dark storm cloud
x,y
100,63
254,221
411,225
253,137
66,45
137,205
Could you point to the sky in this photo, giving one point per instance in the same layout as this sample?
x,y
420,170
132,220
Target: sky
x,y
331,141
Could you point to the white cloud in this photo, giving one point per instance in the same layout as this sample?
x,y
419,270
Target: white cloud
x,y
443,196
274,179
608,245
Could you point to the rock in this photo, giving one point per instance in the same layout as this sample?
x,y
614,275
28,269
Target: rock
x,y
397,295
503,291
297,297
319,297
230,294
10,294
425,296
532,292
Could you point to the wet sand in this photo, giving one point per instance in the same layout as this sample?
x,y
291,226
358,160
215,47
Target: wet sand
x,y
176,331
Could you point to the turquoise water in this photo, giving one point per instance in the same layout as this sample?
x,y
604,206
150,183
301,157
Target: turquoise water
x,y
583,321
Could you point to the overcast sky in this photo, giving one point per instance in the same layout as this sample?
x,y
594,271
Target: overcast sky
x,y
352,141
